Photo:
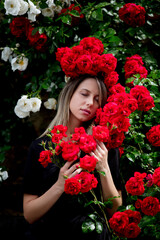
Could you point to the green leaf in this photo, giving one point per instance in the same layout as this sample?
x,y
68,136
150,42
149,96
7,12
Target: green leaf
x,y
101,5
75,13
115,39
156,42
93,216
88,226
99,227
66,19
97,14
102,173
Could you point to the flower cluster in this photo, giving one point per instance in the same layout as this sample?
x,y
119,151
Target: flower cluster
x,y
88,58
150,206
70,151
136,186
133,66
21,7
21,27
72,7
132,14
125,224
26,105
153,136
144,99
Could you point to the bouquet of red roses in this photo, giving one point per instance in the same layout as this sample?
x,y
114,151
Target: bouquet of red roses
x,y
70,151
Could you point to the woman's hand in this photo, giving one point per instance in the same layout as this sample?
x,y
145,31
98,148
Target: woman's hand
x,y
101,153
67,171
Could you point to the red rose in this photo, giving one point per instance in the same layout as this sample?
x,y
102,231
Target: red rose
x,y
59,129
137,58
116,139
94,181
37,40
84,64
58,132
111,79
19,26
61,52
156,177
132,14
118,222
135,186
133,66
75,20
45,157
77,133
107,63
131,103
86,180
118,88
121,123
149,177
138,203
68,64
150,206
132,230
92,45
87,143
144,100
145,103
153,136
111,109
134,216
70,151
101,133
72,186
88,163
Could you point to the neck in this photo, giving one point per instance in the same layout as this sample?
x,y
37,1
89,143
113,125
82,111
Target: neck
x,y
73,123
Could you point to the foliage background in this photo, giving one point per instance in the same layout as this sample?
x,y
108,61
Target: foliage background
x,y
100,20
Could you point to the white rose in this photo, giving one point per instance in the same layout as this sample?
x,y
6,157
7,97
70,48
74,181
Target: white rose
x,y
12,7
58,9
19,63
48,12
3,175
50,3
6,53
20,113
50,103
33,11
36,104
24,104
23,7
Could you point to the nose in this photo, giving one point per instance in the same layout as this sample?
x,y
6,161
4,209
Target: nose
x,y
90,101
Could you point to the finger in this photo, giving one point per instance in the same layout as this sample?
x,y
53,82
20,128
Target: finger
x,y
75,172
102,146
71,169
67,165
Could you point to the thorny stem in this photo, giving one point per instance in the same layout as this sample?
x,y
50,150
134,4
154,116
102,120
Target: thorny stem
x,y
106,220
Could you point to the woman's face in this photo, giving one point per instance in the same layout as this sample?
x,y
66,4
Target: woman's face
x,y
84,102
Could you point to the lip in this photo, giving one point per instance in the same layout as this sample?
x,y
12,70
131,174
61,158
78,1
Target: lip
x,y
86,111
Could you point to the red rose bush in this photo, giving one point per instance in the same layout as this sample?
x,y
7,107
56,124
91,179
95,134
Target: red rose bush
x,y
132,14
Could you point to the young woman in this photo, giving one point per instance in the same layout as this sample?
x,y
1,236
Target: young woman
x,y
52,214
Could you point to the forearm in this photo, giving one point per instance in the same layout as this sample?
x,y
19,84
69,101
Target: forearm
x,y
109,190
35,207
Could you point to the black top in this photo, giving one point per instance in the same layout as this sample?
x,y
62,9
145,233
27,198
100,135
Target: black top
x,y
65,218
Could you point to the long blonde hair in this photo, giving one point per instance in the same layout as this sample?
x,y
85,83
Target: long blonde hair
x,y
63,112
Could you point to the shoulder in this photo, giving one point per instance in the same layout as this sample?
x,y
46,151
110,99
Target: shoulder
x,y
36,145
